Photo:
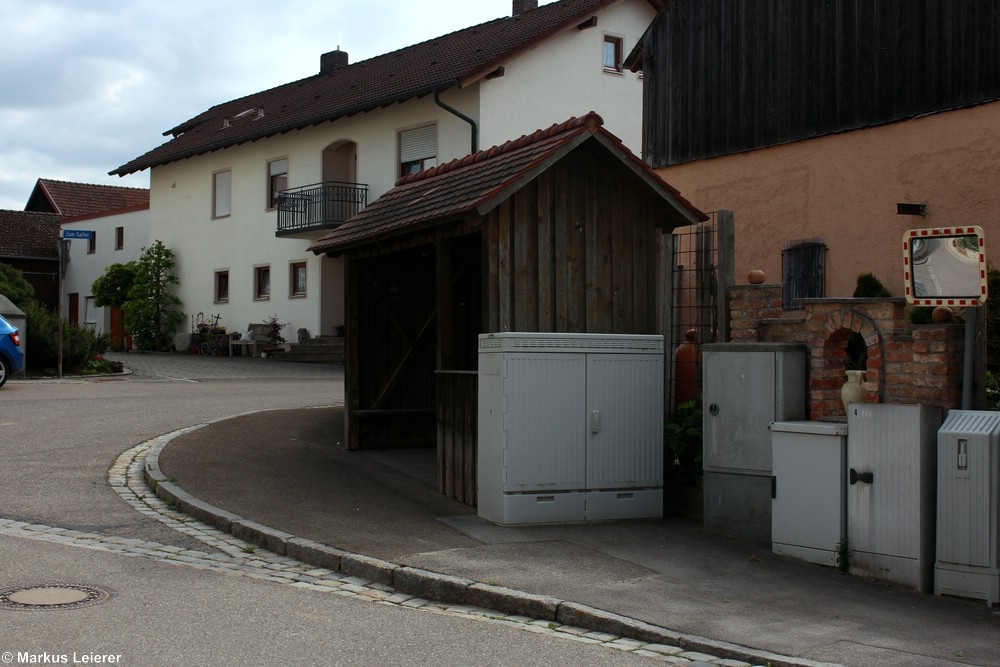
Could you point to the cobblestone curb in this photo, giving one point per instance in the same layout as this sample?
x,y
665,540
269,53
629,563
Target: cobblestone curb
x,y
582,621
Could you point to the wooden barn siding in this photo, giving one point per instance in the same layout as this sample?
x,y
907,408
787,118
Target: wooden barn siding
x,y
574,251
724,76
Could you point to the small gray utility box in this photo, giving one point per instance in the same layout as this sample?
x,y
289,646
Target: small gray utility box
x,y
968,507
809,508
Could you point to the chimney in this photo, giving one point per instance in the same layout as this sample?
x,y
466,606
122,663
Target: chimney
x,y
332,61
522,6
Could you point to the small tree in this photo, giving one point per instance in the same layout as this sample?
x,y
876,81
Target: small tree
x,y
112,287
151,312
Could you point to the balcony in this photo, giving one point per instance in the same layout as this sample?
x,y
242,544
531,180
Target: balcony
x,y
307,211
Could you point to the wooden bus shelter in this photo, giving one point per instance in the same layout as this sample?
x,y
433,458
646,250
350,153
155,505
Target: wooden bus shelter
x,y
558,231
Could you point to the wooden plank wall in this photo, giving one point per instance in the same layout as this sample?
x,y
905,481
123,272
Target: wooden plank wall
x,y
724,76
457,395
574,251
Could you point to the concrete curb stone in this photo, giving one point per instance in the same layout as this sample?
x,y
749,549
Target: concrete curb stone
x,y
257,533
314,553
512,602
366,567
431,585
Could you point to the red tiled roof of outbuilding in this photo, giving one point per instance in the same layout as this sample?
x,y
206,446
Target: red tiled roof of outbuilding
x,y
74,199
455,59
476,183
29,234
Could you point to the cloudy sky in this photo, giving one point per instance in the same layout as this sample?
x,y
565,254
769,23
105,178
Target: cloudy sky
x,y
87,85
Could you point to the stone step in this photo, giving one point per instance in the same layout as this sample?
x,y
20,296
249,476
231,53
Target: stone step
x,y
323,349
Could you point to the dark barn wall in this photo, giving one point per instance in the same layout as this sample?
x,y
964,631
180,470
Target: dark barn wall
x,y
574,251
392,343
43,275
724,76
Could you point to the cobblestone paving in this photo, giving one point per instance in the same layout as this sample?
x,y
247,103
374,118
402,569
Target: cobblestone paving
x,y
227,555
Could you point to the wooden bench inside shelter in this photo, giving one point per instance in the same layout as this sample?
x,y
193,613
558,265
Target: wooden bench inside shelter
x,y
257,334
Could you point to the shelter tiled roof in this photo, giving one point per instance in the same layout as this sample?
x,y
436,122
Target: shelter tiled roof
x,y
75,199
25,234
475,184
455,59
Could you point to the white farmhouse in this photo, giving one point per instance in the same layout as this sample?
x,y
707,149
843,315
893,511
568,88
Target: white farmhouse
x,y
240,191
119,221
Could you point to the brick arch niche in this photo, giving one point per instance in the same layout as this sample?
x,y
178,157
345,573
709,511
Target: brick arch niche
x,y
826,372
905,363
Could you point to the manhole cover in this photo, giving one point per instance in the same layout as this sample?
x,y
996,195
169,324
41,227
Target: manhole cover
x,y
52,596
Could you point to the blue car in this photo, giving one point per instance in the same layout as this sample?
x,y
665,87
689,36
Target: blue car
x,y
11,355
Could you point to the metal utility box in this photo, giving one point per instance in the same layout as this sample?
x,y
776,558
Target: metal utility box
x,y
968,506
570,427
808,510
891,492
746,387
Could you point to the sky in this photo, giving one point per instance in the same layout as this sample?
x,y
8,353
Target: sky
x,y
88,85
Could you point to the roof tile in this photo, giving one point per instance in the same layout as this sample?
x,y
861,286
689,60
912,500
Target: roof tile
x,y
75,199
454,59
29,234
474,183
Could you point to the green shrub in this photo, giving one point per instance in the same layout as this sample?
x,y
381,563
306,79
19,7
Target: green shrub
x,y
682,435
869,286
80,344
992,312
921,314
14,286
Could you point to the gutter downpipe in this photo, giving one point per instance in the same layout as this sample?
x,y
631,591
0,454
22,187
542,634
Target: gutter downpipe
x,y
472,124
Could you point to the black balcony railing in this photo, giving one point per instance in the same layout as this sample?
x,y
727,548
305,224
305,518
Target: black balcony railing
x,y
319,206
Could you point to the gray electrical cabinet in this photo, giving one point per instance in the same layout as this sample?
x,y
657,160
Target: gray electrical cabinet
x,y
570,427
809,508
746,387
968,506
891,492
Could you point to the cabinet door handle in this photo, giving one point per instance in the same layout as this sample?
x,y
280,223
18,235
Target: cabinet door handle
x,y
867,477
595,421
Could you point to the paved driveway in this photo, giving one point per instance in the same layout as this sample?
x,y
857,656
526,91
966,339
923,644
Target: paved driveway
x,y
152,366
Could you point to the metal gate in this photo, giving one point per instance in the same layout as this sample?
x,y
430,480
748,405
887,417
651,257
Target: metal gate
x,y
703,266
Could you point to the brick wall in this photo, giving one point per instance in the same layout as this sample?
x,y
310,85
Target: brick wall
x,y
905,363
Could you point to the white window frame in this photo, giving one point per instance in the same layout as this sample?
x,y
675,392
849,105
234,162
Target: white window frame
x,y
418,149
89,312
216,296
119,238
616,42
261,292
222,193
277,180
293,281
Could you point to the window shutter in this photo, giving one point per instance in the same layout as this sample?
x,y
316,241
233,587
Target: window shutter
x,y
804,269
278,167
418,144
223,191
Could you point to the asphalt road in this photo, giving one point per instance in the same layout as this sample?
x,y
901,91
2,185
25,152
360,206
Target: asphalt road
x,y
58,439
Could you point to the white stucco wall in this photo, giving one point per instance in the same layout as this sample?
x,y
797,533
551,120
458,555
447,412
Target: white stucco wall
x,y
181,208
565,77
83,268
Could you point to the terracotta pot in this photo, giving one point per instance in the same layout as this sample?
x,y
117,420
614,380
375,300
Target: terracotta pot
x,y
942,315
756,277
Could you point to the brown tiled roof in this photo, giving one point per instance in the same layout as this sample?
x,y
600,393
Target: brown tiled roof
x,y
456,59
478,182
74,199
29,234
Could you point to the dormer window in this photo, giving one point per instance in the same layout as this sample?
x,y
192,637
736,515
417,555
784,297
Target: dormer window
x,y
612,53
